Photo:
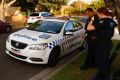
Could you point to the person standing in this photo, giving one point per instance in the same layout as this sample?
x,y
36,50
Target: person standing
x,y
104,32
91,39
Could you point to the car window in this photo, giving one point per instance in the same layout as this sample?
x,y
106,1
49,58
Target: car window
x,y
69,27
46,26
45,14
34,14
77,25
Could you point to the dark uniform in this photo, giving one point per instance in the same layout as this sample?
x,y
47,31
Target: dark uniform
x,y
91,40
104,32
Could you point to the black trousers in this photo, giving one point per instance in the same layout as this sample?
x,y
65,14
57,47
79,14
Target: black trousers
x,y
90,58
102,52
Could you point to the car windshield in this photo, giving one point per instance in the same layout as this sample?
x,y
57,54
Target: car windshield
x,y
53,27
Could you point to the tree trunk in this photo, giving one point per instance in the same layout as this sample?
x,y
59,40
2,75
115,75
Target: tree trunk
x,y
3,8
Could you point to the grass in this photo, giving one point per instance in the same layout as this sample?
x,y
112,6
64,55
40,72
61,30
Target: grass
x,y
73,72
116,64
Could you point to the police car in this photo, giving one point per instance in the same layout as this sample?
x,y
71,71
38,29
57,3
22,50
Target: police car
x,y
44,41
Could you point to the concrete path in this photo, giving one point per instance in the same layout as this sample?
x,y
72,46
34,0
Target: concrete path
x,y
116,35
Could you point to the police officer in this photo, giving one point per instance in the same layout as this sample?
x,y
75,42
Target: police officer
x,y
90,38
104,32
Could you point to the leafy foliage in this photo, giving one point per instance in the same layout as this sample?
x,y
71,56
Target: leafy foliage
x,y
79,4
52,4
25,4
96,4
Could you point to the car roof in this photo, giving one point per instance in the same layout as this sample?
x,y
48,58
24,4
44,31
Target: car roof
x,y
56,20
43,12
39,12
62,19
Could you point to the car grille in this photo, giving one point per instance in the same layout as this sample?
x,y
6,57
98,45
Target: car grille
x,y
18,56
18,45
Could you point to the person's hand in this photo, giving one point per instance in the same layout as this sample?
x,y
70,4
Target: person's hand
x,y
90,26
92,19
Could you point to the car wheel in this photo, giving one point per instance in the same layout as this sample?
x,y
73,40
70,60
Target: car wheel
x,y
9,28
54,57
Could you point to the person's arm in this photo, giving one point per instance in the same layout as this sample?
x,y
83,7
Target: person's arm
x,y
98,25
90,26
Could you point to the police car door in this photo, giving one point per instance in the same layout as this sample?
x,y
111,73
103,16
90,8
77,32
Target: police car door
x,y
68,38
78,34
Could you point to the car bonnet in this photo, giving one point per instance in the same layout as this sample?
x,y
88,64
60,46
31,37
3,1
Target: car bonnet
x,y
30,37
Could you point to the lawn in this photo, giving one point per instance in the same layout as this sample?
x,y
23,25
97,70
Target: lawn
x,y
72,71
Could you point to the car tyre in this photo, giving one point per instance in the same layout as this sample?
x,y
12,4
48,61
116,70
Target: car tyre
x,y
54,57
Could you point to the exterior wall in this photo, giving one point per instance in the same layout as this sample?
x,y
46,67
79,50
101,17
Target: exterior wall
x,y
14,17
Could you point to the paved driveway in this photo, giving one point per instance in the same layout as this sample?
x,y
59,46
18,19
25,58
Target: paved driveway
x,y
116,35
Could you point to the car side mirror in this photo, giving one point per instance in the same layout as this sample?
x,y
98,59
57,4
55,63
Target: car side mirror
x,y
69,33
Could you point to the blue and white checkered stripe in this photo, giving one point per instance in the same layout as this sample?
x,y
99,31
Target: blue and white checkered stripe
x,y
62,41
55,43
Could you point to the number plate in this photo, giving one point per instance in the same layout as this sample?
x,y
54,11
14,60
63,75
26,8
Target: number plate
x,y
16,51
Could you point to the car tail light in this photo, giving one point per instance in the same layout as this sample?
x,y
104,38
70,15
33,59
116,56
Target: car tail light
x,y
38,17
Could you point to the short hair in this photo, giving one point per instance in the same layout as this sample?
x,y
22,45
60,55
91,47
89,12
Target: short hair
x,y
89,9
103,10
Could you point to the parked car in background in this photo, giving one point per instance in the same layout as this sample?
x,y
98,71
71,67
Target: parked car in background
x,y
35,16
45,41
5,27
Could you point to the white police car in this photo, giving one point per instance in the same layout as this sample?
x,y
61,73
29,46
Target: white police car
x,y
44,41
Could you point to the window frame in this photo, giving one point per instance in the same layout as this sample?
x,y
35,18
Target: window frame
x,y
80,26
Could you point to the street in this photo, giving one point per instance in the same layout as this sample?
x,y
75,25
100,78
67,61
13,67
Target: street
x,y
12,69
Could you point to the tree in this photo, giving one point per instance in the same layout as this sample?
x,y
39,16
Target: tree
x,y
79,4
26,5
29,5
96,4
78,7
51,5
4,5
114,5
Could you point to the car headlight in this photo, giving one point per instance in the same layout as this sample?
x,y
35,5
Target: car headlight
x,y
38,46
